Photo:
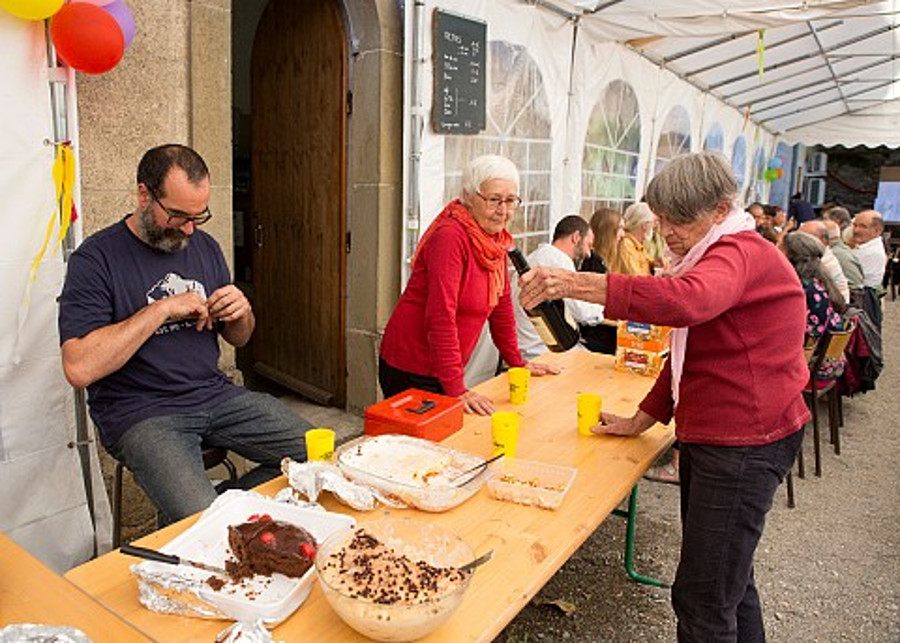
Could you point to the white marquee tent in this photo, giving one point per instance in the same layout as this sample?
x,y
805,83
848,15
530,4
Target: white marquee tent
x,y
829,69
808,72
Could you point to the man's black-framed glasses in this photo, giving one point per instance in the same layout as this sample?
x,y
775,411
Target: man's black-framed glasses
x,y
181,217
494,202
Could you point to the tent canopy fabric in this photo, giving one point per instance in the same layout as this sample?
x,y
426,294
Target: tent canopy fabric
x,y
817,73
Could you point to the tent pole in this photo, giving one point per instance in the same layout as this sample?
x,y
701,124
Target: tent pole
x,y
412,227
82,442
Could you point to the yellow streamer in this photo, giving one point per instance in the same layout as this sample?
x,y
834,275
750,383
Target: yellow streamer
x,y
68,184
760,52
63,181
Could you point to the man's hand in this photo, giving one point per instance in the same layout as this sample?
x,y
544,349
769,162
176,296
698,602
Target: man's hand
x,y
537,369
611,424
228,304
188,305
476,403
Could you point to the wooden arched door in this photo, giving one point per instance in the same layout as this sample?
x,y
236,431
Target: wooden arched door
x,y
299,107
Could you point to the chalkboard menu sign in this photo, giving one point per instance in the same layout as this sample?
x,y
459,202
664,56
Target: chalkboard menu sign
x,y
459,73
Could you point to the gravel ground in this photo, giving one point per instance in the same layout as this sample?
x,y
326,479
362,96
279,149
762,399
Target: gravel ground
x,y
826,570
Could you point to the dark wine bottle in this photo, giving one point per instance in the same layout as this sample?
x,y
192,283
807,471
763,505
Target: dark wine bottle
x,y
548,317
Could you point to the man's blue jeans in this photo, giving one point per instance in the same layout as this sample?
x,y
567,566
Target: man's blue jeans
x,y
164,453
725,495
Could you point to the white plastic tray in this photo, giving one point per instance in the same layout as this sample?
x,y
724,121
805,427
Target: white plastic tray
x,y
549,482
271,598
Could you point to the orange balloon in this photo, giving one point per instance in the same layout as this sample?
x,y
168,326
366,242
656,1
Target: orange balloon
x,y
87,38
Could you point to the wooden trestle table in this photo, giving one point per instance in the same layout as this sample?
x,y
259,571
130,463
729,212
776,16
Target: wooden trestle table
x,y
530,544
30,592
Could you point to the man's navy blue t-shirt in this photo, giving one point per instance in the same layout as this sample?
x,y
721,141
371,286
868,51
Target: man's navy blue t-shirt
x,y
113,275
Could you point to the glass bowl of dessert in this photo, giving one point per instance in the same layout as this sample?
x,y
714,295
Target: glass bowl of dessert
x,y
394,579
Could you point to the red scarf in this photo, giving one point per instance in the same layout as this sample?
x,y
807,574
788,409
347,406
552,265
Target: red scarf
x,y
490,250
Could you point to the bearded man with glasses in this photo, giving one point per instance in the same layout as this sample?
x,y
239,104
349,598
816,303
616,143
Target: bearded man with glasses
x,y
144,303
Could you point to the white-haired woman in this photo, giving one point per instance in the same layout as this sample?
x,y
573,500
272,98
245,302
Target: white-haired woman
x,y
734,386
459,280
825,304
632,258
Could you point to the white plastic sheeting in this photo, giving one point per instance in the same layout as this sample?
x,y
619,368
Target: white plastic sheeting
x,y
43,503
872,127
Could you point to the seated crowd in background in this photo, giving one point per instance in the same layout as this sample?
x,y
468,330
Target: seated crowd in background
x,y
841,260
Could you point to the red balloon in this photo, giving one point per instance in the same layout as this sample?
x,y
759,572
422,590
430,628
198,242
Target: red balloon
x,y
87,38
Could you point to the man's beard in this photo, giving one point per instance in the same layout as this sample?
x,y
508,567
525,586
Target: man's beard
x,y
579,257
164,239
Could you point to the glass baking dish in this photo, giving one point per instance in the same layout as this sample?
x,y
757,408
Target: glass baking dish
x,y
419,473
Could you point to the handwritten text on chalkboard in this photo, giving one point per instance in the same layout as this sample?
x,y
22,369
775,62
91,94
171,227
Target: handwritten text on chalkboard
x,y
459,74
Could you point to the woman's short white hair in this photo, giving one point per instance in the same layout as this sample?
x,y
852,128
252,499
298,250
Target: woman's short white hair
x,y
636,215
487,168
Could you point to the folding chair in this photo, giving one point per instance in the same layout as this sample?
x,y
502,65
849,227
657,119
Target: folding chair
x,y
830,345
212,456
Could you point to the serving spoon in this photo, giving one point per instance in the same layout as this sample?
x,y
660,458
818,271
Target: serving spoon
x,y
478,466
478,562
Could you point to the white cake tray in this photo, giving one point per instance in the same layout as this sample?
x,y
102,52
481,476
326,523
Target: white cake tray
x,y
184,590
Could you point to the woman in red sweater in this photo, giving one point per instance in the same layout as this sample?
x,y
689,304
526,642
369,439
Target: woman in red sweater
x,y
733,385
459,280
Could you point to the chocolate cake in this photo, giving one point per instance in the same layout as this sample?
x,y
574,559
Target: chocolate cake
x,y
263,546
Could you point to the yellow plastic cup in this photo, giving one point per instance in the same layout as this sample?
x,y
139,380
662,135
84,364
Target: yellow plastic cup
x,y
505,432
319,444
589,407
518,384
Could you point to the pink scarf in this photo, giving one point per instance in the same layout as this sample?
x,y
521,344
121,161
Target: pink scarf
x,y
736,221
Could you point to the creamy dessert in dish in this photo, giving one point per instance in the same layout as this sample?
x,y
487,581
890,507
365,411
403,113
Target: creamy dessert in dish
x,y
264,546
407,462
366,569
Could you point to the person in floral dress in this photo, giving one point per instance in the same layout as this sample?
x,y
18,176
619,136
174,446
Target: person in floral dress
x,y
824,303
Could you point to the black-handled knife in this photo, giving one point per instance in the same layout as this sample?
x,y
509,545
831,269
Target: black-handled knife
x,y
171,559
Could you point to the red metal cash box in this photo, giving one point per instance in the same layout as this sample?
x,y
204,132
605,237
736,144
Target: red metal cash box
x,y
417,413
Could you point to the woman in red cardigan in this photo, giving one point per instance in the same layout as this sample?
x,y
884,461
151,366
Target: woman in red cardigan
x,y
732,383
459,280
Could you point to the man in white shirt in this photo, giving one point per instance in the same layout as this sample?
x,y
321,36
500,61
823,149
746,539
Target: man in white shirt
x,y
572,241
869,248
